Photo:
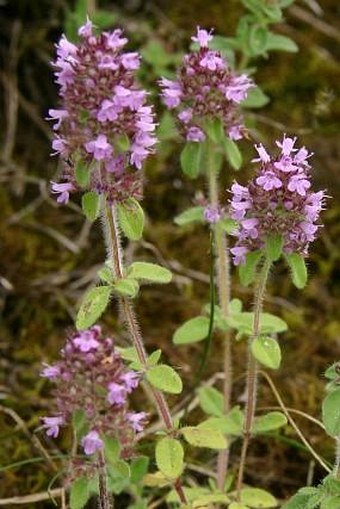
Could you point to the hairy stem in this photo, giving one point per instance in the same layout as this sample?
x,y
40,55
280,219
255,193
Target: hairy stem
x,y
223,286
252,370
113,244
104,497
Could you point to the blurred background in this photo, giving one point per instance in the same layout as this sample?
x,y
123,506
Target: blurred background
x,y
49,255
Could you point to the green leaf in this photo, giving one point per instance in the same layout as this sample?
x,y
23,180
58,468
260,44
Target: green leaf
x,y
131,218
211,498
139,468
106,274
257,498
299,271
333,372
126,287
154,357
165,378
331,413
103,19
204,437
228,225
269,422
79,422
118,476
93,306
230,424
149,272
82,173
247,271
191,158
112,449
211,401
258,38
167,127
214,129
331,502
169,457
256,98
237,505
91,205
122,143
235,306
79,493
128,354
232,153
192,215
300,500
276,42
269,324
274,245
192,331
266,350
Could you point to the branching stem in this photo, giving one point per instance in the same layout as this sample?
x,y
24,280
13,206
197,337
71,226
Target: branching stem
x,y
252,370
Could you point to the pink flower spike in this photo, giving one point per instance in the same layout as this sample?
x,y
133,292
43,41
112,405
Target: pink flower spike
x,y
269,181
195,134
212,61
57,115
52,424
92,442
131,61
137,420
202,37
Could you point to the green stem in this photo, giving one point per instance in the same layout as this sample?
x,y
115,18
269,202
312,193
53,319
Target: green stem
x,y
251,389
223,286
113,245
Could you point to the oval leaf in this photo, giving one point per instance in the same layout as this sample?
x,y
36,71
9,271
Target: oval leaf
x,y
232,153
165,378
247,270
204,437
298,270
191,159
268,422
192,331
79,493
93,306
274,247
150,272
90,205
126,287
256,98
131,218
230,424
211,401
169,457
331,413
266,350
269,323
192,215
257,498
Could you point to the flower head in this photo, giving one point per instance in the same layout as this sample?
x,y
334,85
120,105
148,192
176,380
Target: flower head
x,y
278,201
91,379
101,103
206,88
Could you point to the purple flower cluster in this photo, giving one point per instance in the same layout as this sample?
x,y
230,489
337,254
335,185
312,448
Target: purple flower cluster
x,y
206,88
278,200
104,121
91,378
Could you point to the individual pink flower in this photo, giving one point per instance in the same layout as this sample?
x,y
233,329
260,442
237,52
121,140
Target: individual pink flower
x,y
63,189
92,442
137,420
52,425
